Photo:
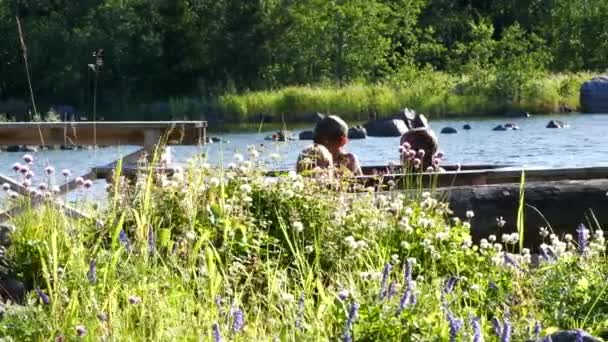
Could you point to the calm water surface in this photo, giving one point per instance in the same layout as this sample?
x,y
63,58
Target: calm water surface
x,y
584,143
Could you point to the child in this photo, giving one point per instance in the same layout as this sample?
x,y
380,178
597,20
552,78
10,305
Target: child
x,y
416,140
316,160
332,133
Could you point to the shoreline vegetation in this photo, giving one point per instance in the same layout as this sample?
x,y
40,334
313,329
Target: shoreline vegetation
x,y
434,94
230,255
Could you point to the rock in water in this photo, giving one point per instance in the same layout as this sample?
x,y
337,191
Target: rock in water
x,y
499,128
357,132
386,128
466,126
556,124
306,135
448,130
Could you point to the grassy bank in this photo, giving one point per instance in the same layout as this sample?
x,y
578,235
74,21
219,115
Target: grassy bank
x,y
435,94
219,255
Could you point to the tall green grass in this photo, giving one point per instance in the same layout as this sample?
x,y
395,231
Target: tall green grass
x,y
435,94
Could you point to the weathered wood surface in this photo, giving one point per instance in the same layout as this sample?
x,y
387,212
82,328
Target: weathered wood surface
x,y
482,177
102,133
561,205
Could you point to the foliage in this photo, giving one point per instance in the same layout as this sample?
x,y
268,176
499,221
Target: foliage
x,y
204,50
234,253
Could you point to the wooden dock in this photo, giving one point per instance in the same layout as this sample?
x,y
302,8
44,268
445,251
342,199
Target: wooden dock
x,y
151,136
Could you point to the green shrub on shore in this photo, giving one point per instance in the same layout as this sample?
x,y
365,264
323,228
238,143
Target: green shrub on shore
x,y
228,254
433,93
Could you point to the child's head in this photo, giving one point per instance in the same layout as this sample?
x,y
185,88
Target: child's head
x,y
314,157
422,139
331,132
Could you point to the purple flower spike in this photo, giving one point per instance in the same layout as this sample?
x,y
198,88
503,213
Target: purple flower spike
x,y
450,284
238,320
580,336
124,240
385,274
477,334
392,289
352,316
300,316
506,331
581,238
92,274
217,336
455,326
151,240
537,328
43,296
496,326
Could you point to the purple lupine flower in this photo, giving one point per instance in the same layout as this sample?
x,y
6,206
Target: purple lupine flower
x,y
450,284
392,289
537,328
506,331
238,320
385,274
81,331
496,326
124,240
217,336
92,274
352,316
509,261
579,337
477,334
581,238
300,316
455,326
43,296
405,300
151,240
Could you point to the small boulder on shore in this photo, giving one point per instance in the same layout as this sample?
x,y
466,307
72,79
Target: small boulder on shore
x,y
556,124
448,130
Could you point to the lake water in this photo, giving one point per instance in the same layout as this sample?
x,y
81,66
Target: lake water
x,y
584,143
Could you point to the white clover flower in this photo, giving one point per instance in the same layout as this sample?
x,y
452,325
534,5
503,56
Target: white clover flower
x,y
288,193
395,258
245,188
238,157
190,235
275,157
442,236
298,226
362,244
298,186
498,247
599,233
500,222
426,194
309,249
470,214
287,298
408,211
483,244
412,261
405,245
514,238
492,238
466,225
543,231
505,238
525,251
254,154
568,237
475,288
214,181
456,220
